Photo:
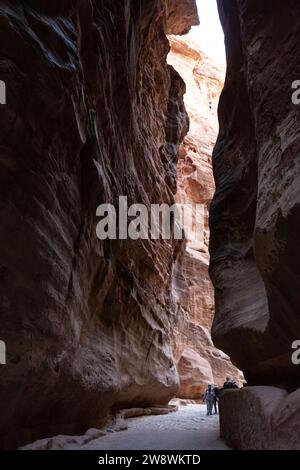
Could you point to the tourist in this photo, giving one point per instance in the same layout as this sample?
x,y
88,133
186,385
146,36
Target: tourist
x,y
216,391
209,399
229,384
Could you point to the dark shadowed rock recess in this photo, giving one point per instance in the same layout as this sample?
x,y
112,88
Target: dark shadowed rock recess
x,y
254,221
93,112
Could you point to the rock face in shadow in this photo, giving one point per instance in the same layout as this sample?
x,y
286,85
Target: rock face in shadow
x,y
199,362
93,112
254,217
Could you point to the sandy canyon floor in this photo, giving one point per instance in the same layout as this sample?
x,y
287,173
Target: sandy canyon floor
x,y
186,429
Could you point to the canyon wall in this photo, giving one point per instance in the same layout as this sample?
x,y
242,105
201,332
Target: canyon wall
x,y
93,112
254,220
199,362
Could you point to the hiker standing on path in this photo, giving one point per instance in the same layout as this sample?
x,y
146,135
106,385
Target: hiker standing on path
x,y
216,391
209,399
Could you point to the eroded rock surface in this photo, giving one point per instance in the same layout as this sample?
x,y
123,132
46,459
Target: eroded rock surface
x,y
261,418
181,15
93,112
199,362
254,217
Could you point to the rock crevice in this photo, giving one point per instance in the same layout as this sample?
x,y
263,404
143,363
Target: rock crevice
x,y
199,362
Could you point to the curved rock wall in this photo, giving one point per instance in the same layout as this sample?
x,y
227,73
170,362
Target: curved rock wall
x,y
93,112
254,211
254,217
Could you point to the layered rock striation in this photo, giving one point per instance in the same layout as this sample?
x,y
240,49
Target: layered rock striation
x,y
93,112
199,362
255,211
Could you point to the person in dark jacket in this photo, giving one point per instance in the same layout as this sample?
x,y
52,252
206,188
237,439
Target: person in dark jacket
x,y
229,384
216,398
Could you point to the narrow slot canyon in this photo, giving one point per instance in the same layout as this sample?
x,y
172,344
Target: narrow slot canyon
x,y
110,335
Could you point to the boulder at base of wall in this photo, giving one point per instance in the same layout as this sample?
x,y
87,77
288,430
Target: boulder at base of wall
x,y
260,418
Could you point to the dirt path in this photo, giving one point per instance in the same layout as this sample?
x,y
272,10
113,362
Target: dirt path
x,y
187,429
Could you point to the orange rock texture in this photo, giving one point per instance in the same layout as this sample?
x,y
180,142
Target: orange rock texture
x,y
199,362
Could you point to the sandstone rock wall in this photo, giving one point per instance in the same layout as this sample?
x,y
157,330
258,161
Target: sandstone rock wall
x,y
261,418
199,362
254,212
254,216
93,112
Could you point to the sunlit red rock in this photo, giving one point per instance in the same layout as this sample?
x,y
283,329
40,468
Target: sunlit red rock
x,y
192,285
